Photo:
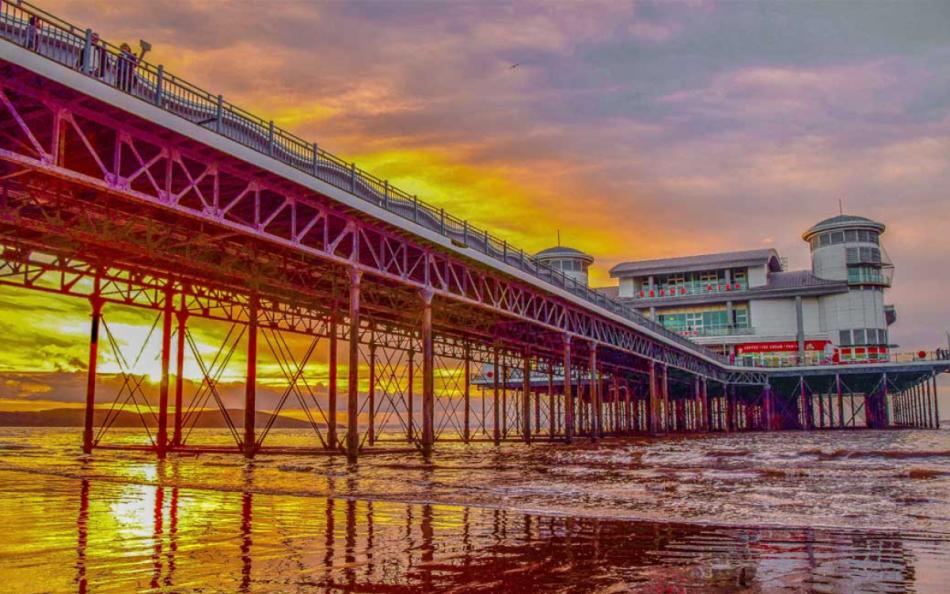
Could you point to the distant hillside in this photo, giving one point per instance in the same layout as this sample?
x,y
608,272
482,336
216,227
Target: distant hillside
x,y
73,417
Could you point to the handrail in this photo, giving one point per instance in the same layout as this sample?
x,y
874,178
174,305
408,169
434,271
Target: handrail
x,y
45,34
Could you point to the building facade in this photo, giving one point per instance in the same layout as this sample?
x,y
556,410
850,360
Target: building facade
x,y
748,307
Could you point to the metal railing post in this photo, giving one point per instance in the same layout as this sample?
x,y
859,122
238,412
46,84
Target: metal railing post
x,y
270,138
87,53
442,221
386,194
353,177
159,85
219,114
415,208
316,160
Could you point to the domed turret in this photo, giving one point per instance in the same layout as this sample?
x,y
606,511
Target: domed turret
x,y
571,262
847,248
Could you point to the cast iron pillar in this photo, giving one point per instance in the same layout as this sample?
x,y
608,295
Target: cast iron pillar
x,y
467,394
180,371
428,376
653,416
933,379
353,370
250,386
371,392
496,424
161,437
552,408
595,396
87,435
332,441
568,392
526,396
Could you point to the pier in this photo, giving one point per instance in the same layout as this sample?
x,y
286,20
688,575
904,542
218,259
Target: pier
x,y
128,187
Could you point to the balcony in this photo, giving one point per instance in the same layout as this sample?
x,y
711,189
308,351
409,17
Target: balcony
x,y
691,288
863,275
712,331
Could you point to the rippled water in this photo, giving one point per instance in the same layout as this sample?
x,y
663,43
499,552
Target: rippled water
x,y
829,512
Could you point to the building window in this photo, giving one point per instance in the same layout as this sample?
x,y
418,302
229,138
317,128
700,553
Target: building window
x,y
837,237
844,338
851,235
859,337
824,240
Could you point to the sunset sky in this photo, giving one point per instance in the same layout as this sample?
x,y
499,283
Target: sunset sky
x,y
639,130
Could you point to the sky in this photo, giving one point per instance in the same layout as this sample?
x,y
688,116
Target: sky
x,y
638,130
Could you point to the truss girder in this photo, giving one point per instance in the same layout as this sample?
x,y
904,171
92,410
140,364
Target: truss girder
x,y
98,152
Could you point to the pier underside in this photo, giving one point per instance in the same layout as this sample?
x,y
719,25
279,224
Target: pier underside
x,y
393,326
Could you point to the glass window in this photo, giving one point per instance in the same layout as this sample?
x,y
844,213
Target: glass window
x,y
740,318
873,238
844,338
852,255
863,236
859,337
851,235
837,237
825,239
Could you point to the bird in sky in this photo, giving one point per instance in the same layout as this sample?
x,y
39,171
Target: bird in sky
x,y
513,66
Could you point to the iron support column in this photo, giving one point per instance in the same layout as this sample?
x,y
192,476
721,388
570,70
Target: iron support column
x,y
595,396
371,392
707,411
353,370
653,417
840,400
87,435
526,396
552,409
667,416
496,425
568,392
250,386
332,441
467,394
180,372
933,378
410,418
161,438
428,376
884,410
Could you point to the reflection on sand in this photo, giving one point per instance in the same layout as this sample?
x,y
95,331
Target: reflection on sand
x,y
161,538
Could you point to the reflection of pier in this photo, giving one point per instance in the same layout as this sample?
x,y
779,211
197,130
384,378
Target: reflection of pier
x,y
126,186
282,543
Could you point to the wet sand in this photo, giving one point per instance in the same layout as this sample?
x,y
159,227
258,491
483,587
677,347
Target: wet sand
x,y
703,515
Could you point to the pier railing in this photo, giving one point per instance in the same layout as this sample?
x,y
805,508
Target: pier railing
x,y
80,49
